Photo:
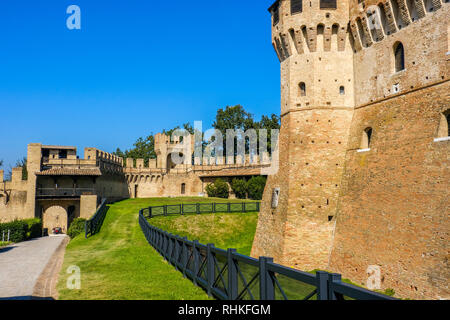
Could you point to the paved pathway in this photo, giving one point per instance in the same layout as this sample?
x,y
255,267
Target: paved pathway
x,y
21,265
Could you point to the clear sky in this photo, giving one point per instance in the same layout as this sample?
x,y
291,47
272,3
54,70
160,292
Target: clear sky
x,y
135,68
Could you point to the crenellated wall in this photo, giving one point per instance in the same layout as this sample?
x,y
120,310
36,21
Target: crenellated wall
x,y
425,60
13,196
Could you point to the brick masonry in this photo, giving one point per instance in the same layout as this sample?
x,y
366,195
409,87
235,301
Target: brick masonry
x,y
342,209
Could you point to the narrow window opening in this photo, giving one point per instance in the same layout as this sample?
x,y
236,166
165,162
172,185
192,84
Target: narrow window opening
x,y
399,54
444,125
328,4
183,188
341,90
302,89
366,138
296,6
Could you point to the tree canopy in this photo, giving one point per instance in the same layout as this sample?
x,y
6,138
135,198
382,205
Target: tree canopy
x,y
232,117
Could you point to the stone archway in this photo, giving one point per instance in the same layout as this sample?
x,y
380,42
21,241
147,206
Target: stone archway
x,y
53,217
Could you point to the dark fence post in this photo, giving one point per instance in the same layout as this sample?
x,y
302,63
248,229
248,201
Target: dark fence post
x,y
232,276
182,209
210,274
196,258
266,283
184,256
322,285
198,208
150,215
229,207
332,277
177,251
164,245
165,210
214,207
257,206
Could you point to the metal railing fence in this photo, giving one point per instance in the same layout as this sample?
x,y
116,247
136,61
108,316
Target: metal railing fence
x,y
199,208
93,225
228,275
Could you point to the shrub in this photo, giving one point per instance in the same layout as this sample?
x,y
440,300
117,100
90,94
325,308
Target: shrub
x,y
76,227
256,187
34,228
18,230
222,189
240,188
21,230
218,189
211,190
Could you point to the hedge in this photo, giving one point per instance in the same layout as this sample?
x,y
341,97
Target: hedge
x,y
76,227
21,230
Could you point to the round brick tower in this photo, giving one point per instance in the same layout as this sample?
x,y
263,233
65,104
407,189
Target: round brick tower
x,y
311,39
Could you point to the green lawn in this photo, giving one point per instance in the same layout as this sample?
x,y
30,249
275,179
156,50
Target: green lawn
x,y
4,243
118,263
224,230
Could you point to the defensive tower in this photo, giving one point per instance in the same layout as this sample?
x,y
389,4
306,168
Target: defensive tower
x,y
317,101
363,183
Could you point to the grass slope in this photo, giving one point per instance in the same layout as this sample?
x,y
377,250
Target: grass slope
x,y
225,230
118,263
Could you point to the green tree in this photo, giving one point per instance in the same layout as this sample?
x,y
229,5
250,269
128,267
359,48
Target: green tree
x,y
218,189
222,189
256,187
240,188
269,123
22,163
144,148
237,118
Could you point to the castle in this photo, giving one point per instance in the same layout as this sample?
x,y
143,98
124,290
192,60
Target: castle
x,y
363,173
364,143
61,187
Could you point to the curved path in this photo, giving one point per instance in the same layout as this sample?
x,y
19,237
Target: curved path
x,y
22,264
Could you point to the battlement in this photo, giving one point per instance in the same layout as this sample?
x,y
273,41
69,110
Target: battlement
x,y
373,21
99,155
203,163
302,29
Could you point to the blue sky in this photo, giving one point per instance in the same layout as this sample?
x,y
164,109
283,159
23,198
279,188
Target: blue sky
x,y
135,68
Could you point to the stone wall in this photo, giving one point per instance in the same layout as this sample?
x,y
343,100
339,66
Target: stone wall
x,y
393,210
13,196
342,208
